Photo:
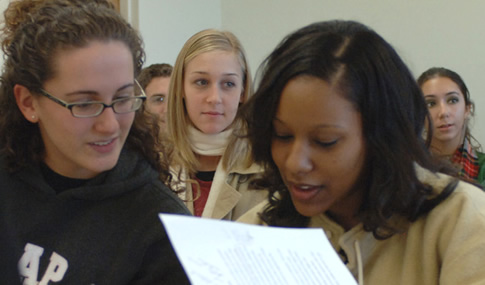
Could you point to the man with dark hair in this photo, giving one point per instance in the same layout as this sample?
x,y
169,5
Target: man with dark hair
x,y
155,80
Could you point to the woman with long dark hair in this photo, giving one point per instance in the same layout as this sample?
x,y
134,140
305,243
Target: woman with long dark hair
x,y
337,120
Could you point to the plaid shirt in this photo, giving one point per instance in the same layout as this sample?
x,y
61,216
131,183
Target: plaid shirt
x,y
466,159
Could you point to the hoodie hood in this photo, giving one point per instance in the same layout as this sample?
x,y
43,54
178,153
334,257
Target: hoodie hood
x,y
131,172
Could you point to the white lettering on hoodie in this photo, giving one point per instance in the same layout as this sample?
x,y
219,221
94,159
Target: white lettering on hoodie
x,y
29,266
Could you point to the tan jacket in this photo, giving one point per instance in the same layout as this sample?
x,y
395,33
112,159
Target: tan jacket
x,y
447,246
230,195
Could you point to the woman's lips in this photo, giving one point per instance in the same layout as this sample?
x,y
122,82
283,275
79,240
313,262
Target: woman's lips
x,y
445,127
104,146
304,192
212,113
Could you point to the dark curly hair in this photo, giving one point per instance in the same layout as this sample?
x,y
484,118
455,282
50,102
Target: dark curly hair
x,y
371,75
33,34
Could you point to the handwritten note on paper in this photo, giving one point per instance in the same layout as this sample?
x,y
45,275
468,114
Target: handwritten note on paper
x,y
228,253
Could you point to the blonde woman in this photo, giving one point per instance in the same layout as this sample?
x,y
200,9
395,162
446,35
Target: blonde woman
x,y
211,164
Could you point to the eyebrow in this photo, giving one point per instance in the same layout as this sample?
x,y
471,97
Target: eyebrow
x,y
91,92
226,74
447,93
317,126
453,93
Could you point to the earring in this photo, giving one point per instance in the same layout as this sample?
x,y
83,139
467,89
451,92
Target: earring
x,y
33,117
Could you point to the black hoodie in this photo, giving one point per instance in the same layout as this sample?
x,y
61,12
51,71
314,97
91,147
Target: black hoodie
x,y
104,232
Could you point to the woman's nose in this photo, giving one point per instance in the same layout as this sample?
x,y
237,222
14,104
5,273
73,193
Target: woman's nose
x,y
299,158
444,110
107,121
215,95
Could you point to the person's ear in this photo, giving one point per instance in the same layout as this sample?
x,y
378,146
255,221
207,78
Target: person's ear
x,y
468,111
25,102
242,97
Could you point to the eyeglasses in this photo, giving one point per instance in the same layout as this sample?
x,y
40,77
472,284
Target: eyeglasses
x,y
94,108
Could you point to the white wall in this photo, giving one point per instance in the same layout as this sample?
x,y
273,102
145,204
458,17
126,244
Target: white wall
x,y
165,25
449,33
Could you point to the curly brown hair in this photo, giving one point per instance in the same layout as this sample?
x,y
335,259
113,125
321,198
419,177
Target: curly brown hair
x,y
33,34
153,71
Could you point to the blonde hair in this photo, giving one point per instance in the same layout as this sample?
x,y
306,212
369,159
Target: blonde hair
x,y
177,117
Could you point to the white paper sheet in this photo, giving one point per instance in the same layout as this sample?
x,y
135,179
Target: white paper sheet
x,y
229,253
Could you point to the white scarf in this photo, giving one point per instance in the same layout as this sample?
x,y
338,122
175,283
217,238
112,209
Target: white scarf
x,y
210,145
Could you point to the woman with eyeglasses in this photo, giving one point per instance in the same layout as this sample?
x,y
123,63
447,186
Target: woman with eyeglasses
x,y
80,172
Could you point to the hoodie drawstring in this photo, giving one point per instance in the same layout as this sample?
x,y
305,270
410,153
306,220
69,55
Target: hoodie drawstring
x,y
360,267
